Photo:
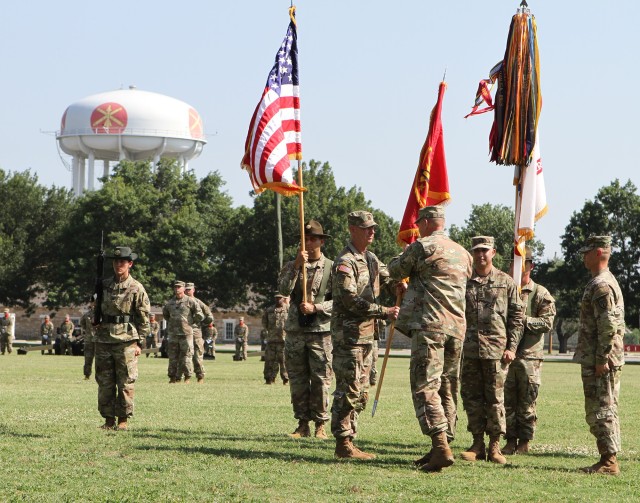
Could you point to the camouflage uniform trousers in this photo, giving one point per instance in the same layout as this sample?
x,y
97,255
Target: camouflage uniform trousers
x,y
450,383
116,373
198,353
180,350
274,361
520,395
151,343
65,345
373,375
6,343
601,408
482,394
308,360
352,366
89,353
45,341
241,348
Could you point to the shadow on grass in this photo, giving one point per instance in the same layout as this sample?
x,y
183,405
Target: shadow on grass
x,y
6,431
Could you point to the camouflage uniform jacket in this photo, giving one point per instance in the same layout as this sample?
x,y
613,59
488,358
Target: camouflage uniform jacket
x,y
66,329
540,311
355,291
601,322
86,325
154,330
206,312
181,315
438,270
290,284
47,328
210,332
273,321
125,312
494,315
6,325
241,332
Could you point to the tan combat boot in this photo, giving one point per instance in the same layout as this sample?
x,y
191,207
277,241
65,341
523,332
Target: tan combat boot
x,y
424,459
320,432
302,430
441,455
346,450
495,455
109,423
122,424
608,465
477,450
510,447
200,380
187,380
172,380
523,447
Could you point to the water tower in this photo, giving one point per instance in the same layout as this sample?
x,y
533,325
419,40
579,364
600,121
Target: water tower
x,y
127,124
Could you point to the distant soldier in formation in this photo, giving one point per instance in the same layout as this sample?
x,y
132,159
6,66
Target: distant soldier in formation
x,y
600,352
524,376
241,333
154,329
494,328
46,333
125,320
307,348
210,333
358,276
273,322
181,312
6,332
88,331
198,340
66,335
432,314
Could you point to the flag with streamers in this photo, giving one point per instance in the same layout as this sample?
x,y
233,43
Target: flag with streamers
x,y
431,182
274,137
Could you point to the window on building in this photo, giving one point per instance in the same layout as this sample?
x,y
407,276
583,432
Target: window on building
x,y
229,327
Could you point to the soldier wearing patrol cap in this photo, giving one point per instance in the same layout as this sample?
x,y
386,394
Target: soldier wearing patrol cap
x,y
181,313
600,352
524,376
358,277
432,314
198,341
494,317
125,320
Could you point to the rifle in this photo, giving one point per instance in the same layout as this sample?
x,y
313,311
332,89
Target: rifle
x,y
97,311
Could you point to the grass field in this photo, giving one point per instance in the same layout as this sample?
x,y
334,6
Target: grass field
x,y
227,440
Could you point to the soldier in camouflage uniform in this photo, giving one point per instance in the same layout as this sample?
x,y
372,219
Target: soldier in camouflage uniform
x,y
273,321
198,340
600,352
46,333
88,331
432,314
154,330
494,314
210,333
358,276
523,378
66,333
181,313
6,332
241,333
308,343
124,321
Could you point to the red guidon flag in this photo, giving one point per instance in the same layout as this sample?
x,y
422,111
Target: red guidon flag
x,y
274,133
431,183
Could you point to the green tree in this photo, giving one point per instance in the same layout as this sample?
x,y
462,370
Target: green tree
x,y
31,221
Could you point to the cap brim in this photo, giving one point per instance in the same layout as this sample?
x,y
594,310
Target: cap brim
x,y
485,247
132,257
585,249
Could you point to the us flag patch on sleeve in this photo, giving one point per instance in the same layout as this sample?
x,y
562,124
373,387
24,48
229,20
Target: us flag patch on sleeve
x,y
344,268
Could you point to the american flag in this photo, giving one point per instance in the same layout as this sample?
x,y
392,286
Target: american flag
x,y
274,136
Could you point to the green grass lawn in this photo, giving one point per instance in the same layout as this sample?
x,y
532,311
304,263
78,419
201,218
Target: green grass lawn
x,y
227,440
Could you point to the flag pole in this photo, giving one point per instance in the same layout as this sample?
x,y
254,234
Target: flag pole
x,y
302,245
387,350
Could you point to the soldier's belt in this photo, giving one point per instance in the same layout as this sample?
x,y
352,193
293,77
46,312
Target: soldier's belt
x,y
117,319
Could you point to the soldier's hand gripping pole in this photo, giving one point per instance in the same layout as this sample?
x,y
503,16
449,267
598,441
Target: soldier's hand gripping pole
x,y
392,329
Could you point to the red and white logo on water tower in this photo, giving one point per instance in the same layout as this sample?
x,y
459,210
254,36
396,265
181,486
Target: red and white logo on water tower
x,y
195,124
109,118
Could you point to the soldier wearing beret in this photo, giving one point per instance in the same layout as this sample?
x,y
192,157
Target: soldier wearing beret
x,y
198,341
600,352
523,378
181,313
66,334
125,320
358,277
46,333
241,333
432,314
494,317
308,341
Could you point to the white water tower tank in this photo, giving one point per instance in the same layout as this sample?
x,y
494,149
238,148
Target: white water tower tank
x,y
128,124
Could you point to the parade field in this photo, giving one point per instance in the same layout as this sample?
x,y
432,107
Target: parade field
x,y
226,440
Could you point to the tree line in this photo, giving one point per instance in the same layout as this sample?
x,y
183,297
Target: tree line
x,y
186,228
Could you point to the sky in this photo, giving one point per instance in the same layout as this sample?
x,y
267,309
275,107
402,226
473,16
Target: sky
x,y
369,75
